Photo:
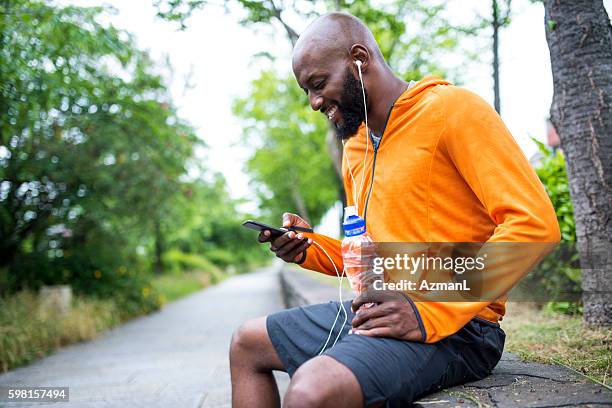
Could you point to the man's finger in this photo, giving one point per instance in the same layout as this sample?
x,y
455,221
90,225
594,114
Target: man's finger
x,y
301,257
290,219
290,246
375,332
290,256
282,240
370,313
264,236
375,296
370,296
383,321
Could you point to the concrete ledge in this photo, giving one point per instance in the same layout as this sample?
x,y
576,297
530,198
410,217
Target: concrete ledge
x,y
513,383
300,289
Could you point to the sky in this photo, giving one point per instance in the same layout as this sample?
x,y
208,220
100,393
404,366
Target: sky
x,y
214,57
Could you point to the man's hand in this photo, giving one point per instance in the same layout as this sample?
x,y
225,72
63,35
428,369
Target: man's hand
x,y
291,246
391,316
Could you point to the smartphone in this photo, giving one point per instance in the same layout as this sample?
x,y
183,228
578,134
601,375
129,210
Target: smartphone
x,y
274,231
260,226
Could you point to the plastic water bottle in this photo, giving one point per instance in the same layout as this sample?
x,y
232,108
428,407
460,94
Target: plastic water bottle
x,y
357,251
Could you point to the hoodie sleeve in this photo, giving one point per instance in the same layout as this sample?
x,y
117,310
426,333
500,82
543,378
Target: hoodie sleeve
x,y
493,165
317,255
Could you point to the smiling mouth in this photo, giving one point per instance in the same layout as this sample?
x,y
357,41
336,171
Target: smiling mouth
x,y
331,113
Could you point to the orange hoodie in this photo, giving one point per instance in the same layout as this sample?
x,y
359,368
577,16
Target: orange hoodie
x,y
446,170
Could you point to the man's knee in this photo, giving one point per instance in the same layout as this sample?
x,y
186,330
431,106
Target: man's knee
x,y
252,346
323,382
247,338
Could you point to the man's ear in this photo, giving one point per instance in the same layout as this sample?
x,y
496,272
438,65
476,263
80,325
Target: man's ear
x,y
359,52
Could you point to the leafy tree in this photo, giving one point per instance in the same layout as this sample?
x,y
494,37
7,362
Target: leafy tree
x,y
91,150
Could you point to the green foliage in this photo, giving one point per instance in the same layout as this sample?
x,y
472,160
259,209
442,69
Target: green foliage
x,y
559,273
177,10
28,332
93,163
92,151
175,286
553,175
177,261
204,222
568,308
290,167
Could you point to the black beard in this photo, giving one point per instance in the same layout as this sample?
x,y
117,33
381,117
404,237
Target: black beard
x,y
351,107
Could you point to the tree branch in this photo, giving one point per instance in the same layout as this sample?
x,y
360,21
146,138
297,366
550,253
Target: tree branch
x,y
291,33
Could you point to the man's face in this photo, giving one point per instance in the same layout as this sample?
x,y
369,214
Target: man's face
x,y
336,93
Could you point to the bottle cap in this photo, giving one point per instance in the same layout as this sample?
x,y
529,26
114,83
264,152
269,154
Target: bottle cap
x,y
353,224
350,211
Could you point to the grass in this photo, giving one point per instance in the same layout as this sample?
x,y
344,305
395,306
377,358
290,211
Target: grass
x,y
177,285
29,331
552,338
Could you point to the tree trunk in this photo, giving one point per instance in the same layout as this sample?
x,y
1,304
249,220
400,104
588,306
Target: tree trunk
x,y
298,200
579,37
159,249
496,25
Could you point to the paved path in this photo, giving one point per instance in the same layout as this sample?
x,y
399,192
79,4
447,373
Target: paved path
x,y
174,358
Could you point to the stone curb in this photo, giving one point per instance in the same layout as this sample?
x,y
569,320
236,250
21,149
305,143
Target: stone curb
x,y
513,383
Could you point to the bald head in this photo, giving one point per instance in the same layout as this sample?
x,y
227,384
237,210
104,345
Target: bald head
x,y
333,36
324,64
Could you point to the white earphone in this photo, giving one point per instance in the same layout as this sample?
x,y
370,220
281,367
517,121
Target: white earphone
x,y
357,192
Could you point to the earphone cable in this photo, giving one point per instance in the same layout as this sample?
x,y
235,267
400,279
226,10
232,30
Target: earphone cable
x,y
341,309
365,108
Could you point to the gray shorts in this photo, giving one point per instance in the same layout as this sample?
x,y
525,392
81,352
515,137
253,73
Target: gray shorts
x,y
396,371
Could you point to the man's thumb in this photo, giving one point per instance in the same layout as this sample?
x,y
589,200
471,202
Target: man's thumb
x,y
288,219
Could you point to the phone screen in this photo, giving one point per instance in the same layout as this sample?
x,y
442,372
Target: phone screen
x,y
260,226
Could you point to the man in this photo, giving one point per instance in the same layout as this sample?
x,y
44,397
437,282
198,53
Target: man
x,y
439,166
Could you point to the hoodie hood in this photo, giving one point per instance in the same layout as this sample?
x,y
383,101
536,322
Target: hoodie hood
x,y
413,94
418,90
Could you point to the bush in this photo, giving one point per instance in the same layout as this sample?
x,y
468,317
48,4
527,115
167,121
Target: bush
x,y
176,261
560,273
28,332
98,266
176,286
553,175
222,257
